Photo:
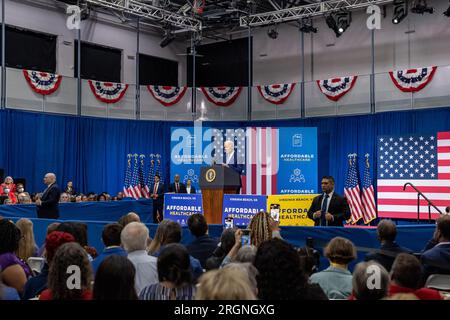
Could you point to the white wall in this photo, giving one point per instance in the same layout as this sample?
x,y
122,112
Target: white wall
x,y
54,22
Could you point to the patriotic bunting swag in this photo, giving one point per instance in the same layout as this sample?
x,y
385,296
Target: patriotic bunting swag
x,y
412,80
221,96
276,93
42,82
167,95
336,88
108,92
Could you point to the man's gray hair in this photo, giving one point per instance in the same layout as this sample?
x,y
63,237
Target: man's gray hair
x,y
134,236
370,281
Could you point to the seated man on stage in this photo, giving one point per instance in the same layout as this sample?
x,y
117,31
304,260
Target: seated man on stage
x,y
329,209
177,186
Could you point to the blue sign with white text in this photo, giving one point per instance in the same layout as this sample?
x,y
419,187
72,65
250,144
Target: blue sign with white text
x,y
242,208
180,206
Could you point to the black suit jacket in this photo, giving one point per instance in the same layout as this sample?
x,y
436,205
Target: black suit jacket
x,y
202,248
159,192
50,198
181,187
338,208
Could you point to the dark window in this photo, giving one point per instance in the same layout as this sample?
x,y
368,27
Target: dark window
x,y
220,64
26,49
157,71
98,62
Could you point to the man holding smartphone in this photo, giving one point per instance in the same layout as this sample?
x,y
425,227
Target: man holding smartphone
x,y
329,208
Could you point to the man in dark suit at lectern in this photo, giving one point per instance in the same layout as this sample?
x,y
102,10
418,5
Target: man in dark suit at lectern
x,y
157,195
47,205
231,161
329,209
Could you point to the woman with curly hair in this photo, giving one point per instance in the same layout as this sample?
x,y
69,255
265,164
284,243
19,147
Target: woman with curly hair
x,y
174,274
68,255
336,280
14,270
27,245
280,276
262,228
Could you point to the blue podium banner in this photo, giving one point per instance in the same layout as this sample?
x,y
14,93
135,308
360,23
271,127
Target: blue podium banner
x,y
180,206
242,208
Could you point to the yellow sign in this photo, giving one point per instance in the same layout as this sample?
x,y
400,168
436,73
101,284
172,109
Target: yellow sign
x,y
210,175
292,210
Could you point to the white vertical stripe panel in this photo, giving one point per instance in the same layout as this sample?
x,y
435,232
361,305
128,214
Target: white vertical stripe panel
x,y
259,160
249,159
269,160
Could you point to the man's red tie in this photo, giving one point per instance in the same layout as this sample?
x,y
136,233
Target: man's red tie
x,y
177,187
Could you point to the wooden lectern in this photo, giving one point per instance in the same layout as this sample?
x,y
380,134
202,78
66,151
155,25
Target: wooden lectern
x,y
215,181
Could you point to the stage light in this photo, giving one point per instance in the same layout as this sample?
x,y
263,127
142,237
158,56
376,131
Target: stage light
x,y
306,26
168,38
420,7
400,11
339,22
272,33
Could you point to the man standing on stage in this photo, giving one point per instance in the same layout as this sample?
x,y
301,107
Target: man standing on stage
x,y
158,199
231,161
47,205
177,186
329,209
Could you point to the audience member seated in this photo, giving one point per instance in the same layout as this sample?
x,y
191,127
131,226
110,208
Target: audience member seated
x,y
111,240
84,198
246,254
27,245
120,195
64,198
8,188
227,241
69,188
249,269
37,284
68,255
20,188
363,276
336,280
129,217
134,240
7,293
15,272
101,197
309,260
174,274
79,232
156,243
23,198
172,234
79,198
437,259
50,228
91,197
203,246
114,279
279,274
225,284
389,249
263,227
406,277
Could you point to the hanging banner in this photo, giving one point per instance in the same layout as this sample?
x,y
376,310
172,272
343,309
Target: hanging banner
x,y
179,207
276,93
412,80
242,208
221,96
42,82
108,92
336,88
167,95
291,210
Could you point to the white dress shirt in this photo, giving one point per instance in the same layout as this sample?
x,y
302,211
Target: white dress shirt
x,y
146,269
230,158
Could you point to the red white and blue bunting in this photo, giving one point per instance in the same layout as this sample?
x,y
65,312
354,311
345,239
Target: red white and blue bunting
x,y
42,82
108,92
276,93
221,96
167,95
412,80
336,88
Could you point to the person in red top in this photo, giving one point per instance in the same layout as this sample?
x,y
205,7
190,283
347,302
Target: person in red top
x,y
8,188
62,285
406,277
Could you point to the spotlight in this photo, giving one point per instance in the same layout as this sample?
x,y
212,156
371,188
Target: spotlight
x,y
400,11
306,26
339,22
272,33
168,38
420,7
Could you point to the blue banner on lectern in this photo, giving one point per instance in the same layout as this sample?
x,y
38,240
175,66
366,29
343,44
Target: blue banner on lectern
x,y
180,206
242,208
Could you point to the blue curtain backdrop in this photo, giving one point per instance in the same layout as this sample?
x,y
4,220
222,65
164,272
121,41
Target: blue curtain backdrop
x,y
92,152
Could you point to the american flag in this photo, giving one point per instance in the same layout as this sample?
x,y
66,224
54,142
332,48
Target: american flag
x,y
424,161
352,191
127,182
368,195
135,187
142,186
257,149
